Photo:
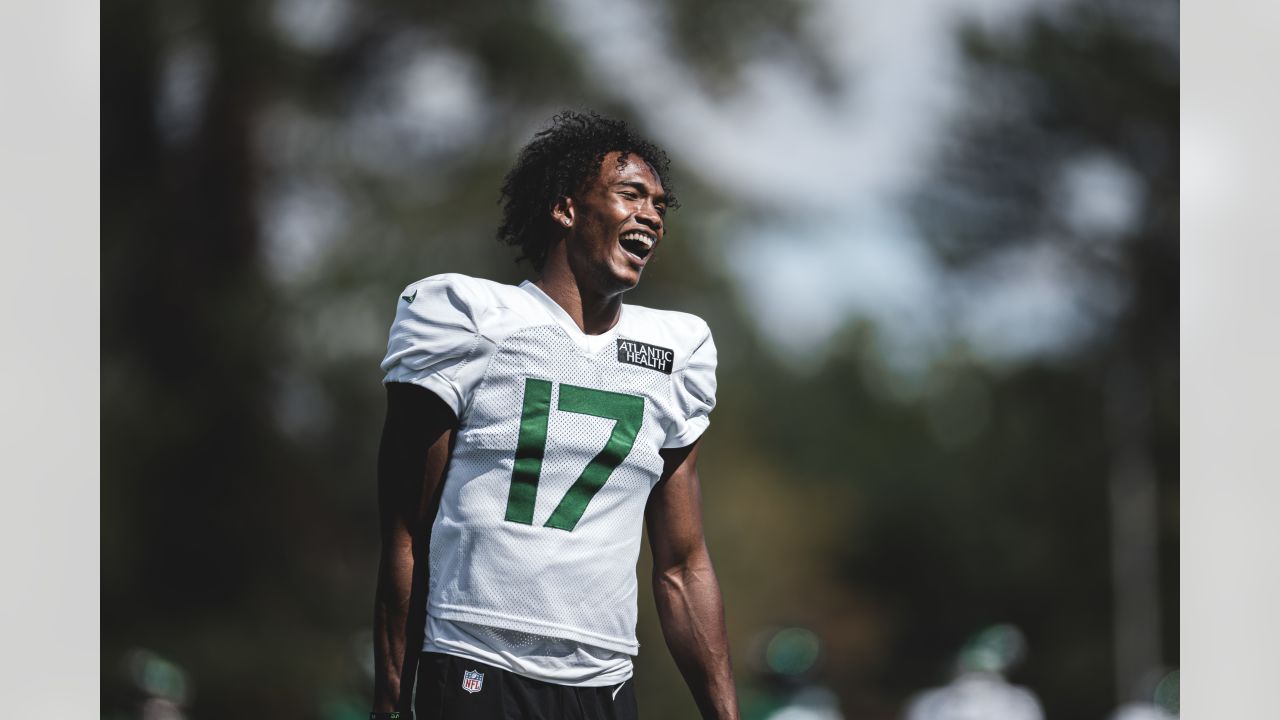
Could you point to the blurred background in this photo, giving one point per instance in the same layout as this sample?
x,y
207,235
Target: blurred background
x,y
937,241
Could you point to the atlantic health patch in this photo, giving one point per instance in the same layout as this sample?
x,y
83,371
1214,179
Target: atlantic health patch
x,y
645,355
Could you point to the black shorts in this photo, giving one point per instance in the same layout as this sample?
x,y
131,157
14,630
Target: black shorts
x,y
454,688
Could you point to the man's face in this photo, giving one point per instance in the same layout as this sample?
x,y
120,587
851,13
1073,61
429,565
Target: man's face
x,y
616,224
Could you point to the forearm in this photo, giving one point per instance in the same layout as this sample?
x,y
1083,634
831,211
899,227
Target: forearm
x,y
412,459
394,625
692,616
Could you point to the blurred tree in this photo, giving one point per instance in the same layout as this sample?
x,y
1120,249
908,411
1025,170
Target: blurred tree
x,y
279,171
1059,512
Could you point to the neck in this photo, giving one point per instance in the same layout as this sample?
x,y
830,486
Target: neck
x,y
594,313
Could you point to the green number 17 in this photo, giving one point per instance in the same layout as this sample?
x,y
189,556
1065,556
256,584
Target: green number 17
x,y
626,410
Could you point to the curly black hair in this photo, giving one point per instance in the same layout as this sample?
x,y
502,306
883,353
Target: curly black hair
x,y
558,162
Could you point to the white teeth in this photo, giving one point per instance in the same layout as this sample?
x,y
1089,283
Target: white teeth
x,y
641,238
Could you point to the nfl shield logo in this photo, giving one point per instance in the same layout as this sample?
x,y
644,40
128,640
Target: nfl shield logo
x,y
472,681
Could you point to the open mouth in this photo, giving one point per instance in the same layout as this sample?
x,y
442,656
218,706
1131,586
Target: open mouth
x,y
638,244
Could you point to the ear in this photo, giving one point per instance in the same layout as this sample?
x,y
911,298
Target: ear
x,y
562,211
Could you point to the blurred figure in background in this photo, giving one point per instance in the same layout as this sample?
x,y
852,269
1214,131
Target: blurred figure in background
x,y
980,691
162,686
785,686
1159,699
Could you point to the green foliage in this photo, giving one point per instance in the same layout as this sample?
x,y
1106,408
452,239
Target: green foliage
x,y
241,400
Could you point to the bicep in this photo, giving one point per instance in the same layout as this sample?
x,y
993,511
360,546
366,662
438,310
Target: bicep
x,y
413,454
674,513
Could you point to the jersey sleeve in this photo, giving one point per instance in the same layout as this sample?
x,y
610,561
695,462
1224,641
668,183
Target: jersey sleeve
x,y
695,394
434,338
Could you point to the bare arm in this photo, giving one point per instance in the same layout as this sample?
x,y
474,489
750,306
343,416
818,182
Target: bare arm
x,y
685,586
412,459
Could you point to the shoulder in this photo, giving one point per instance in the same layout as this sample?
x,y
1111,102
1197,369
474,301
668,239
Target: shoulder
x,y
677,325
490,309
471,289
686,334
473,296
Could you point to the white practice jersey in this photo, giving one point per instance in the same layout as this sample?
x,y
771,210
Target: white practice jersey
x,y
557,448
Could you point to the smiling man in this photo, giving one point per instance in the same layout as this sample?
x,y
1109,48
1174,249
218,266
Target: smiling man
x,y
531,432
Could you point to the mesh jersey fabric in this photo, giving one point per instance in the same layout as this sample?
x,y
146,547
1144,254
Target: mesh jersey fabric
x,y
547,545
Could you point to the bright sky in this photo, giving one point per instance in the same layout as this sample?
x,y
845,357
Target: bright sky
x,y
828,170
834,170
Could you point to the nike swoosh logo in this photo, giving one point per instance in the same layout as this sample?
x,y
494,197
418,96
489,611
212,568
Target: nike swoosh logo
x,y
409,298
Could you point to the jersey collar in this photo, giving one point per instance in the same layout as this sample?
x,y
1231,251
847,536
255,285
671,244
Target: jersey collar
x,y
589,343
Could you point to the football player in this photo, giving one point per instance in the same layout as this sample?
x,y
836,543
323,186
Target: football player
x,y
530,431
